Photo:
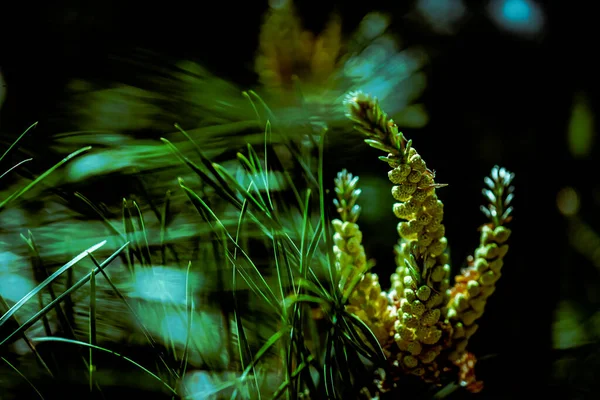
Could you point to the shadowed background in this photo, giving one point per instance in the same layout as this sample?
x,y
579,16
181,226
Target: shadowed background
x,y
508,82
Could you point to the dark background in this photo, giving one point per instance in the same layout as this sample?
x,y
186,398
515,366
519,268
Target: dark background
x,y
493,98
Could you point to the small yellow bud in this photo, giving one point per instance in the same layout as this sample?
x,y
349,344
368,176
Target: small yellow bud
x,y
470,330
418,308
428,357
502,250
469,317
414,176
349,228
416,162
424,292
486,291
433,336
435,300
405,230
477,304
337,225
339,241
429,263
410,361
409,282
431,201
473,288
459,331
438,246
502,234
488,278
452,313
423,218
403,192
489,251
404,169
424,239
461,302
481,265
410,295
438,273
405,306
431,317
406,334
420,195
410,320
396,176
414,348
401,211
496,265
462,345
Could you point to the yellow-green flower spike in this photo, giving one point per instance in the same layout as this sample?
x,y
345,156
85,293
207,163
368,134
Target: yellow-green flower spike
x,y
468,296
367,301
422,271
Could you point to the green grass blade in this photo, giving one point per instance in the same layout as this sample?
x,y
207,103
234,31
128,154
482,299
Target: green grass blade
x,y
146,246
189,306
15,167
305,230
163,227
109,224
19,193
58,299
18,140
206,162
241,189
223,190
280,390
29,343
324,220
92,327
201,205
46,282
139,322
366,331
23,376
129,360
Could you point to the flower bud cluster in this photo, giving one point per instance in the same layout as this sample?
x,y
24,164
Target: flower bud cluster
x,y
469,295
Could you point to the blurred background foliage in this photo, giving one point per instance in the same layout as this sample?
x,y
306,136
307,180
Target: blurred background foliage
x,y
474,83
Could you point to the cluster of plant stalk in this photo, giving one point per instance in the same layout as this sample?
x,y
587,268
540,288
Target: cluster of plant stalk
x,y
422,322
360,336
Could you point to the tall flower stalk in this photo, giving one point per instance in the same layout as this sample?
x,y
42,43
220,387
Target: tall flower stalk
x,y
468,297
421,279
366,300
433,320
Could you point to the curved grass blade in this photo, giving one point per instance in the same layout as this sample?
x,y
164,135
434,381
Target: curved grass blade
x,y
23,376
15,167
19,193
18,140
145,331
222,190
46,282
34,351
129,360
58,299
366,331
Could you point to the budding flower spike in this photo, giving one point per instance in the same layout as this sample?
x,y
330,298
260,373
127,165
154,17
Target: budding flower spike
x,y
476,284
365,298
433,321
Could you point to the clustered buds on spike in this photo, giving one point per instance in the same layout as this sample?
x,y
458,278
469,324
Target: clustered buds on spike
x,y
421,279
468,296
366,300
431,318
